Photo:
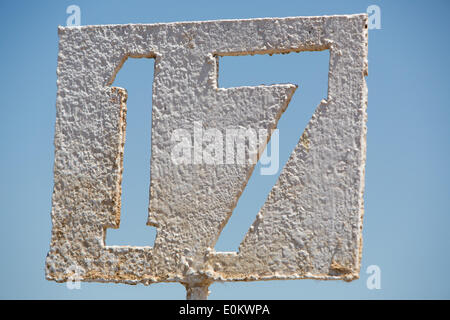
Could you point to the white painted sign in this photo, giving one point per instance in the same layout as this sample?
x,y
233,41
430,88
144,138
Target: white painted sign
x,y
309,227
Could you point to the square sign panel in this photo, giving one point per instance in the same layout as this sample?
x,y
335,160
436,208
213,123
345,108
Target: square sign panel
x,y
205,143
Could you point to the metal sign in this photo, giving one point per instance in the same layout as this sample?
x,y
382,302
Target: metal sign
x,y
310,225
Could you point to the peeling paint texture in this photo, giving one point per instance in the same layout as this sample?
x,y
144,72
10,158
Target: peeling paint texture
x,y
311,224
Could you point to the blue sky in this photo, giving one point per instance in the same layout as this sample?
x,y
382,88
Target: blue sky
x,y
408,151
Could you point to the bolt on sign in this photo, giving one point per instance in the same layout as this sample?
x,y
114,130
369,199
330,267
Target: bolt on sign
x,y
310,226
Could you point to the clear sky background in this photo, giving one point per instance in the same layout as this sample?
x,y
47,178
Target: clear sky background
x,y
407,216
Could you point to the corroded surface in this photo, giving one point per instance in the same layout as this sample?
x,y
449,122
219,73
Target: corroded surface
x,y
310,225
